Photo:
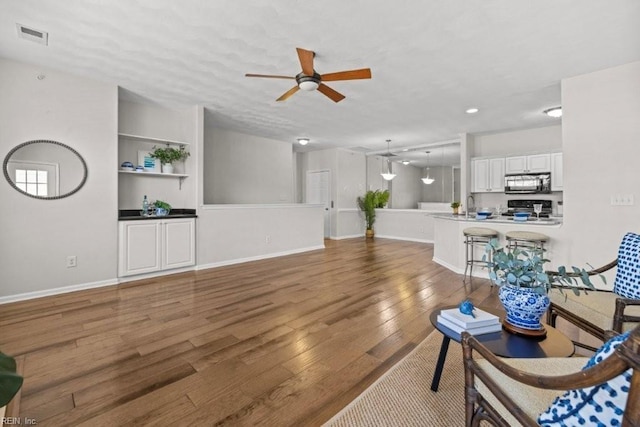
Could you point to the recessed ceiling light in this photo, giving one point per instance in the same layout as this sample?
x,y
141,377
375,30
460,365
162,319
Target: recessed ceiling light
x,y
554,112
472,111
406,162
303,141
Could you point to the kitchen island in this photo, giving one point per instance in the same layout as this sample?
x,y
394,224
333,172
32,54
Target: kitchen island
x,y
449,248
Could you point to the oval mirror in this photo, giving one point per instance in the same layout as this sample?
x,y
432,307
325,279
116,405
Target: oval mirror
x,y
45,169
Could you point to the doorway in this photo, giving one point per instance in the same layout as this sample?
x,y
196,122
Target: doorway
x,y
318,193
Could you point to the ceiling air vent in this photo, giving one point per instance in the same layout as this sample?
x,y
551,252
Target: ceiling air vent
x,y
32,34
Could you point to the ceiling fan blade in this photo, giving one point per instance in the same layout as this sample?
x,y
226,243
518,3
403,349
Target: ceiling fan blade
x,y
306,60
330,93
364,73
288,93
269,76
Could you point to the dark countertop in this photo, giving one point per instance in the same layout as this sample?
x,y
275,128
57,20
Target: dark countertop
x,y
134,214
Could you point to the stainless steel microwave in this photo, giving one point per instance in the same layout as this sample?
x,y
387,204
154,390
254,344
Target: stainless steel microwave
x,y
531,183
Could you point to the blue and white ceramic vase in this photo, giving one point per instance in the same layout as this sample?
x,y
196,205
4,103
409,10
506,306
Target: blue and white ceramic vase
x,y
525,307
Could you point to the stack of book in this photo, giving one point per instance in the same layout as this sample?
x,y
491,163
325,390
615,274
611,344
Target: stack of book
x,y
482,323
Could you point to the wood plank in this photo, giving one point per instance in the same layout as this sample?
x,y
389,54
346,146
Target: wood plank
x,y
283,341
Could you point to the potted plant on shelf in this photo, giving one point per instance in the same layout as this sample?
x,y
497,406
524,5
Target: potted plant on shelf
x,y
524,285
167,155
456,207
10,381
369,203
162,208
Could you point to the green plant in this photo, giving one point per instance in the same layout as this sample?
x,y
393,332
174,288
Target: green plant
x,y
10,382
455,205
168,154
163,205
369,202
383,198
525,268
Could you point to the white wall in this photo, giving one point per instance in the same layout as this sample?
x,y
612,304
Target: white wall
x,y
163,123
519,142
406,187
241,168
601,135
38,235
228,234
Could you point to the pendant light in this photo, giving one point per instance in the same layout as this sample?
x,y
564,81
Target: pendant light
x,y
389,175
426,179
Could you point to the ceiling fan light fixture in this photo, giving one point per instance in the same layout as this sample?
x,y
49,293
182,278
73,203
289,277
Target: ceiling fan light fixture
x,y
554,112
308,85
303,141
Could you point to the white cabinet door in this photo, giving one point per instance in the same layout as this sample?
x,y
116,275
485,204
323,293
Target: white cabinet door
x,y
488,175
140,243
556,172
178,243
517,164
539,163
480,168
528,164
148,246
496,175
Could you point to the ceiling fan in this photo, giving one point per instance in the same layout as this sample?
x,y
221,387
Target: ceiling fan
x,y
309,79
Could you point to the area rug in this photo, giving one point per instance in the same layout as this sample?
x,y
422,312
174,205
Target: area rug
x,y
403,397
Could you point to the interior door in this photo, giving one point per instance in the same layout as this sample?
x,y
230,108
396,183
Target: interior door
x,y
318,194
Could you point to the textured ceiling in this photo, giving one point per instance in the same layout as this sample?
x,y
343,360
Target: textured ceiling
x,y
430,60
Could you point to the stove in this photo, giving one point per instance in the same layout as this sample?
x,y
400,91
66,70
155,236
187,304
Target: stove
x,y
521,205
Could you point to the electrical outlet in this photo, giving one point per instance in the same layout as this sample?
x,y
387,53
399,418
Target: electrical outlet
x,y
72,261
267,239
622,200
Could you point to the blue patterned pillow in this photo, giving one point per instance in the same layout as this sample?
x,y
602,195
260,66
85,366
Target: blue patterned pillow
x,y
602,405
627,282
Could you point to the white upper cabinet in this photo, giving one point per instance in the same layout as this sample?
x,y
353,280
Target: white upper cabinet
x,y
556,172
488,175
528,164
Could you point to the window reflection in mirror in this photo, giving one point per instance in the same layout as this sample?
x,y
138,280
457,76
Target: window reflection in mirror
x,y
45,169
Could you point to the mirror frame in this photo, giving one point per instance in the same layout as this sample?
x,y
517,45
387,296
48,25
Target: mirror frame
x,y
5,165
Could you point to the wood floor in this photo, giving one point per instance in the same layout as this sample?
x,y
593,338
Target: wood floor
x,y
279,342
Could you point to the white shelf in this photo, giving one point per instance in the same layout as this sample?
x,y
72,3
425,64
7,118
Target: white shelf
x,y
164,175
138,138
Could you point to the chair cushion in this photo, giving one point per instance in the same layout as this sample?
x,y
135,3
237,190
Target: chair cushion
x,y
627,283
601,405
595,306
530,399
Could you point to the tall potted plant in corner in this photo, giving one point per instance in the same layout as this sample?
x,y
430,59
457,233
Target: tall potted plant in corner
x,y
524,285
167,155
10,381
368,204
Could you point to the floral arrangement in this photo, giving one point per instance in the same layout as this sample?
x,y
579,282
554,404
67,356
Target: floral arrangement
x,y
525,268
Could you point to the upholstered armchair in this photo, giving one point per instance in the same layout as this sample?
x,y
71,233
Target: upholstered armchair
x,y
603,390
598,311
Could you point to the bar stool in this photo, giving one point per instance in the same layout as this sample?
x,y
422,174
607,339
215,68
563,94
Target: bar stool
x,y
526,239
475,236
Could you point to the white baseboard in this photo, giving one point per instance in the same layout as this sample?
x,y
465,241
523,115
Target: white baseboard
x,y
132,278
350,236
408,239
56,291
257,257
